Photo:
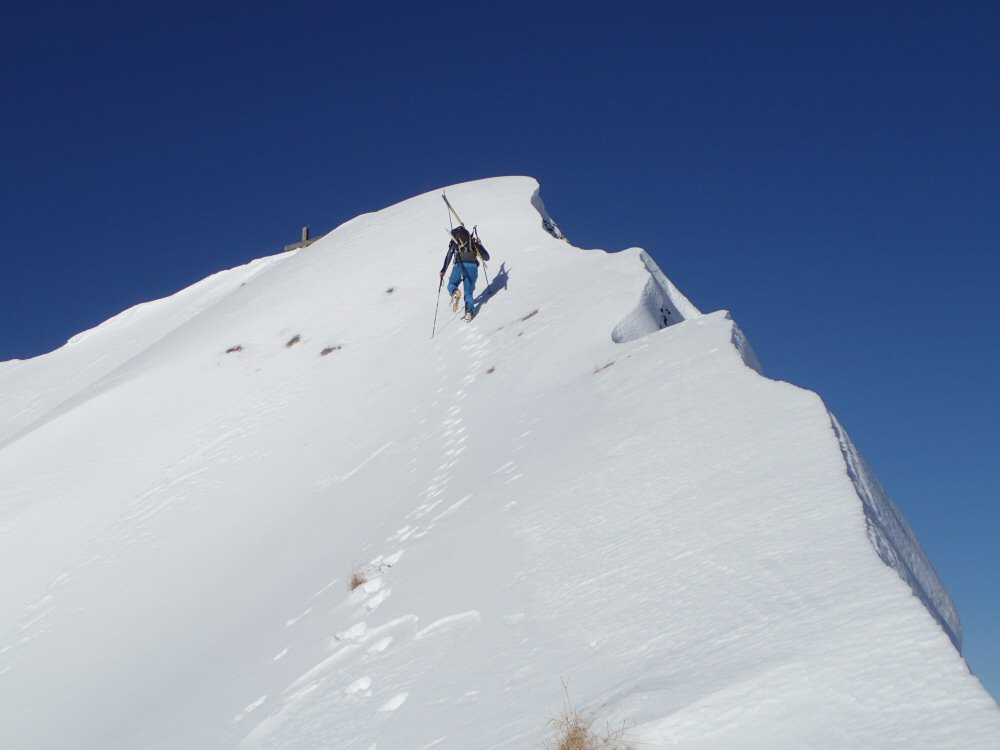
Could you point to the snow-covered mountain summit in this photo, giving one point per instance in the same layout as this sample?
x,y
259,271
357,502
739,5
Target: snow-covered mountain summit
x,y
591,483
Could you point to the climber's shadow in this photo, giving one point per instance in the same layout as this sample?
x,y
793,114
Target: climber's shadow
x,y
497,283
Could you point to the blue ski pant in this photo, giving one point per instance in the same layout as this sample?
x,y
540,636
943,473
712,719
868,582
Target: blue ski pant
x,y
464,273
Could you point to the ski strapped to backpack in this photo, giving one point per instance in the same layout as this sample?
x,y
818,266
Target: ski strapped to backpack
x,y
452,209
463,236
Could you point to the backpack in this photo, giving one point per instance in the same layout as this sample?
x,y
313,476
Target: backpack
x,y
468,245
461,235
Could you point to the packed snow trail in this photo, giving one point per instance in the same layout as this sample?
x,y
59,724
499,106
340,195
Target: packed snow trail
x,y
561,490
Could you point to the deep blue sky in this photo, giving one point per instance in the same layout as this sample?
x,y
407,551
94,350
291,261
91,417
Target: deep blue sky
x,y
829,172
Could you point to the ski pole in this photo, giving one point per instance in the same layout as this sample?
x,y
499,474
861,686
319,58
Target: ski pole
x,y
434,327
475,232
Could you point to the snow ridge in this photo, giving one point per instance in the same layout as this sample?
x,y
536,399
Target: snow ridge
x,y
589,483
97,359
895,541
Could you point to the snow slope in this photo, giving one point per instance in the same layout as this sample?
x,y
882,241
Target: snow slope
x,y
563,490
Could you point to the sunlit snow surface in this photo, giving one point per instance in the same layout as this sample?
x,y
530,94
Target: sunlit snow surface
x,y
697,551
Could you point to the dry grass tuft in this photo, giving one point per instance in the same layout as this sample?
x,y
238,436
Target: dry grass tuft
x,y
358,578
574,731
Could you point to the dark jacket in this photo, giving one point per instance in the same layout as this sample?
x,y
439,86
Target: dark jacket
x,y
467,252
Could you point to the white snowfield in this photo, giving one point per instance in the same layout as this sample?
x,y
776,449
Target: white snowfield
x,y
563,490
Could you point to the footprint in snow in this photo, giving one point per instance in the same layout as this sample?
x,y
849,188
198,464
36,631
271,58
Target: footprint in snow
x,y
359,685
380,646
395,702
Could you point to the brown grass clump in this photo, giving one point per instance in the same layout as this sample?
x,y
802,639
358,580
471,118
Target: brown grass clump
x,y
574,731
358,578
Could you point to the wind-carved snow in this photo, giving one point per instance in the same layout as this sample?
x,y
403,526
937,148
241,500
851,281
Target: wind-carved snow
x,y
895,541
660,305
548,223
589,484
742,345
